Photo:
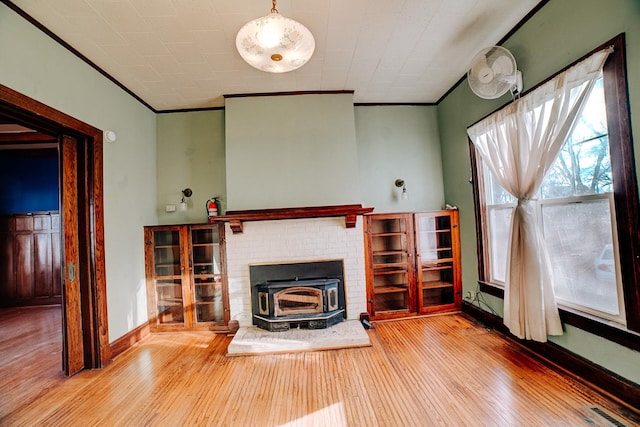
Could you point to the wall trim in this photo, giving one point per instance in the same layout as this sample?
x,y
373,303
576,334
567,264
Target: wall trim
x,y
290,93
610,383
129,339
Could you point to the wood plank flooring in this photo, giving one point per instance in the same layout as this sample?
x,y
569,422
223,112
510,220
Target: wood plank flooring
x,y
30,355
441,370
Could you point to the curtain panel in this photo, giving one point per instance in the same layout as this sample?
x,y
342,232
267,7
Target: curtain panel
x,y
519,144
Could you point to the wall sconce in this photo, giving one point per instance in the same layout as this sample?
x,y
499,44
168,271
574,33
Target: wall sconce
x,y
400,184
185,194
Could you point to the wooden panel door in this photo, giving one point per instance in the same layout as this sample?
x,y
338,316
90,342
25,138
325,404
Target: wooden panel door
x,y
24,267
30,259
56,272
73,359
7,266
42,264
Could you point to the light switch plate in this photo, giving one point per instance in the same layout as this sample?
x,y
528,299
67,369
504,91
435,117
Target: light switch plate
x,y
170,208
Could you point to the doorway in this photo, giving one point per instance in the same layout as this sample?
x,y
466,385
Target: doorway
x,y
85,343
30,276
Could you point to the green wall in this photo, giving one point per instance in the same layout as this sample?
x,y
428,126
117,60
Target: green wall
x,y
392,142
561,32
190,154
399,142
291,151
37,66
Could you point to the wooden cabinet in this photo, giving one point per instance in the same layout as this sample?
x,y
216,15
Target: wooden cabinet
x,y
413,263
186,284
390,265
438,261
30,259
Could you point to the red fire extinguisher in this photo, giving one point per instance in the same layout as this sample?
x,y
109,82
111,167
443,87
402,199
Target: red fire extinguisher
x,y
212,206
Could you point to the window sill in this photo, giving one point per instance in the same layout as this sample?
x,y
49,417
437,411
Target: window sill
x,y
491,289
589,324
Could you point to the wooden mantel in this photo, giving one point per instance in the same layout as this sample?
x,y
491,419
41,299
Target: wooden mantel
x,y
237,218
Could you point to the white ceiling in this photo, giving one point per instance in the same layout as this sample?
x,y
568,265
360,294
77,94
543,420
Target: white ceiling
x,y
180,54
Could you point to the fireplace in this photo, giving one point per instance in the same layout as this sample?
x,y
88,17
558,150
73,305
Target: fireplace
x,y
295,235
308,295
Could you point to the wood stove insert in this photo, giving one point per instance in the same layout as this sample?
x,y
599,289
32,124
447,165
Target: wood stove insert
x,y
308,295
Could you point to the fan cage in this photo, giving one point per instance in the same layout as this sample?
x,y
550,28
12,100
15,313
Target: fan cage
x,y
502,80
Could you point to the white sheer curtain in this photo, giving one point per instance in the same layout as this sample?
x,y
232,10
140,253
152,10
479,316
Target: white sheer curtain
x,y
518,144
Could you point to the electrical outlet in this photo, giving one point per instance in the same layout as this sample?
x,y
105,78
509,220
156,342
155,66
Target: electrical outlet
x,y
170,208
470,295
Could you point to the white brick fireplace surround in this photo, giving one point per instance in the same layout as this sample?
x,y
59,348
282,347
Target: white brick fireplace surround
x,y
295,240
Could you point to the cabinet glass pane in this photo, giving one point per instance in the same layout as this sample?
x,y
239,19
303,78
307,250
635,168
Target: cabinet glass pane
x,y
166,238
204,235
169,297
168,276
389,243
391,290
167,252
435,297
437,285
391,225
389,258
390,277
207,280
436,270
393,301
208,297
434,238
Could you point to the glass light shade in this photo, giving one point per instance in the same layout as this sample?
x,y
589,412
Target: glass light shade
x,y
275,44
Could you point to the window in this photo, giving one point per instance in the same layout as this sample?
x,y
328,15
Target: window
x,y
587,206
575,210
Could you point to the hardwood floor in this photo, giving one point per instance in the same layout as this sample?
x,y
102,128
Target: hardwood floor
x,y
441,370
30,355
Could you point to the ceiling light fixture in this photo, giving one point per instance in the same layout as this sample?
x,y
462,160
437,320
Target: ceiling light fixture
x,y
275,44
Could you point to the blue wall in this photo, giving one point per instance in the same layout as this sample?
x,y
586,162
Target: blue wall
x,y
28,184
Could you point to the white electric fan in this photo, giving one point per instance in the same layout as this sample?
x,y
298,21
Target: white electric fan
x,y
493,73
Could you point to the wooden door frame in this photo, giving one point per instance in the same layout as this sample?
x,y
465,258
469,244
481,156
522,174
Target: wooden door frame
x,y
92,322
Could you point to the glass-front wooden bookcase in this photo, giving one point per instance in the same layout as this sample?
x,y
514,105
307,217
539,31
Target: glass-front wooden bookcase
x,y
186,285
207,275
438,261
390,265
412,263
